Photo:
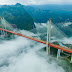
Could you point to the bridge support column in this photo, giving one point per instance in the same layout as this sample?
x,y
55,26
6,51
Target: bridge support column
x,y
48,36
1,31
58,53
47,50
71,58
49,33
5,32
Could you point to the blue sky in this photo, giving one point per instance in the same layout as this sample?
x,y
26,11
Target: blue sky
x,y
35,2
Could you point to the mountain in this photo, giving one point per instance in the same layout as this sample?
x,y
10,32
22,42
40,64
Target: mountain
x,y
58,13
66,27
16,14
0,6
53,7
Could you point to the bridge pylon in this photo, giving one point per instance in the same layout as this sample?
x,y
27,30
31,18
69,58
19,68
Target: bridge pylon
x,y
48,36
47,50
3,33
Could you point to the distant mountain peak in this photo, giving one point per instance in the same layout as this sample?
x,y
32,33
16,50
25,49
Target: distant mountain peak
x,y
18,4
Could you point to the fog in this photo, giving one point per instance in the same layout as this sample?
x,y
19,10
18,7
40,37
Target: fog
x,y
20,55
24,55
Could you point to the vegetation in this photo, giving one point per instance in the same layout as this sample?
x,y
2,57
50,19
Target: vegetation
x,y
58,13
16,14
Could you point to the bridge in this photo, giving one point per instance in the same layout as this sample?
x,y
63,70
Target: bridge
x,y
68,50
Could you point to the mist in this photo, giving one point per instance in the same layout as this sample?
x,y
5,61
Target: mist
x,y
20,55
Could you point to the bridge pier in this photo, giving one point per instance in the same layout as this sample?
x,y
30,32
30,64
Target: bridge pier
x,y
58,53
71,58
1,31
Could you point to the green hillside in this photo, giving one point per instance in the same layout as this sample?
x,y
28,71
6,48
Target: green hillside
x,y
16,14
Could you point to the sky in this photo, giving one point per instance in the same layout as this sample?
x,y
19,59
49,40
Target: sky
x,y
35,2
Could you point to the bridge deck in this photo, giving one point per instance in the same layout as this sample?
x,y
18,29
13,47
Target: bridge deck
x,y
41,41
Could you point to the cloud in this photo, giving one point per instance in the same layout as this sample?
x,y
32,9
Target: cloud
x,y
36,2
20,55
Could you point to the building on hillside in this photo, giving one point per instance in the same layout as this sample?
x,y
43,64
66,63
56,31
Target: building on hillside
x,y
14,26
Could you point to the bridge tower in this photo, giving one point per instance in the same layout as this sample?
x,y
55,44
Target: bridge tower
x,y
3,27
5,33
47,39
49,33
48,36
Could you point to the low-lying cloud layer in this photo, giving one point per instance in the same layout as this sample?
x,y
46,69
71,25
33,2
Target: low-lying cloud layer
x,y
19,55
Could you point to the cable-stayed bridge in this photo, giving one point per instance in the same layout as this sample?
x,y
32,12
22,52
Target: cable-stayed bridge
x,y
5,28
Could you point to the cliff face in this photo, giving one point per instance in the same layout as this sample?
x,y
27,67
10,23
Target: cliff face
x,y
16,14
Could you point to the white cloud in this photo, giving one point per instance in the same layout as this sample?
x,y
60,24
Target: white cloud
x,y
20,55
36,2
